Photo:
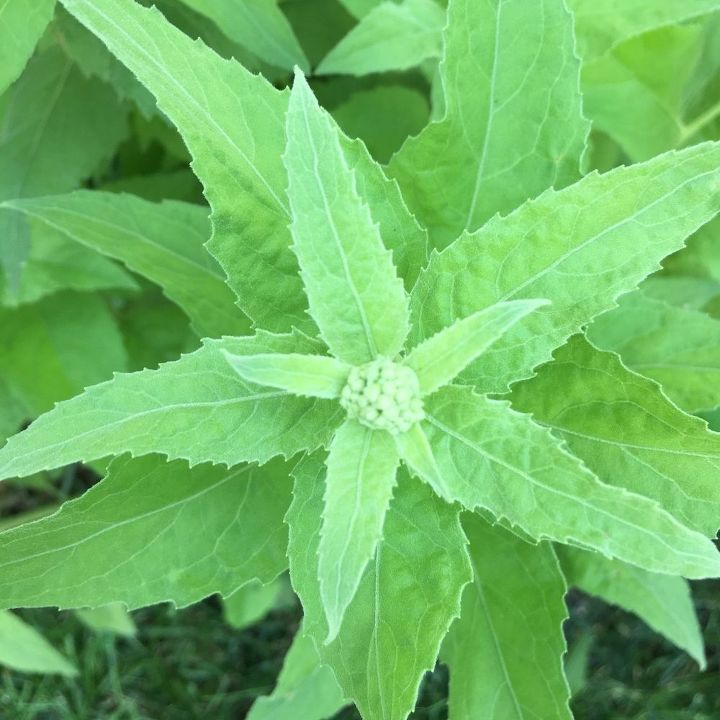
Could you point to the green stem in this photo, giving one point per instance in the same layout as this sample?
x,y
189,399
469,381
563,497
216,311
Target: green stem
x,y
693,128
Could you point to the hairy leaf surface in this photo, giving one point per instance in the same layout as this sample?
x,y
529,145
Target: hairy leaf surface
x,y
197,408
580,248
495,459
627,432
406,601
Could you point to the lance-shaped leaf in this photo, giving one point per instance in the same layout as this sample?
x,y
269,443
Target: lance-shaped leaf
x,y
492,671
439,359
261,27
230,120
496,459
163,242
361,470
307,375
627,432
392,36
601,26
580,248
305,688
513,124
662,601
22,22
161,411
406,601
24,649
355,296
233,123
677,347
125,539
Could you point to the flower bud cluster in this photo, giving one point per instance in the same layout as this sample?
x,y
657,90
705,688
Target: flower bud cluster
x,y
384,396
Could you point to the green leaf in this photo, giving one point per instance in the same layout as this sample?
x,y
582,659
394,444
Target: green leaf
x,y
580,248
45,355
305,689
662,601
627,432
601,26
163,242
439,359
406,601
635,93
516,599
354,293
678,348
690,293
112,618
392,36
258,25
383,117
233,123
23,23
94,59
361,471
55,263
496,459
124,540
305,375
160,411
22,648
359,8
251,603
45,145
513,124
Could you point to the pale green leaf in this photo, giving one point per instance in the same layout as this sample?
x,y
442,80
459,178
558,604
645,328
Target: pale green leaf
x,y
494,458
125,539
113,618
392,36
439,359
677,347
361,474
305,689
406,601
580,248
23,648
22,23
662,601
635,93
505,651
45,348
602,25
354,293
513,124
51,139
161,411
306,375
383,117
627,432
251,603
690,293
163,242
233,123
258,25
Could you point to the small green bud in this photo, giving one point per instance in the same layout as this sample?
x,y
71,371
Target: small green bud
x,y
384,396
